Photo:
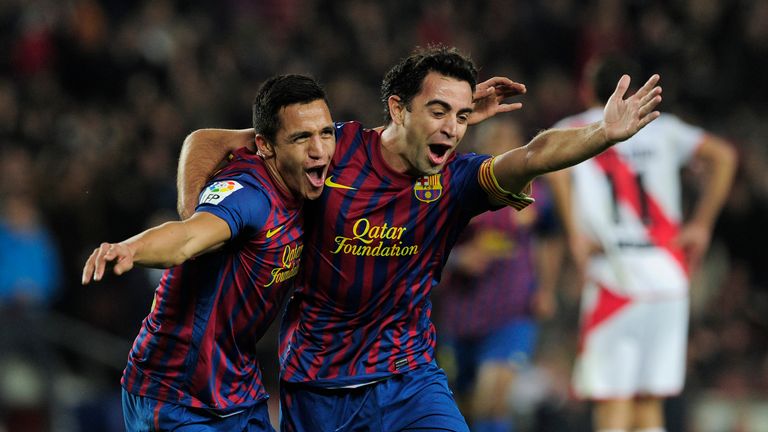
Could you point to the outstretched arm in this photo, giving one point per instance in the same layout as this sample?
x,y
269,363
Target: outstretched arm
x,y
556,149
203,151
164,246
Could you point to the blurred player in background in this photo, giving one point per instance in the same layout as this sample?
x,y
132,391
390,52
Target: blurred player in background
x,y
624,219
499,280
357,341
193,365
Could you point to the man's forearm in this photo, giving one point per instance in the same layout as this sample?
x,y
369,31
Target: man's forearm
x,y
172,243
551,150
556,149
203,151
720,170
160,247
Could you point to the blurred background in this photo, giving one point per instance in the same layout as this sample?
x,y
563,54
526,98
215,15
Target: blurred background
x,y
96,98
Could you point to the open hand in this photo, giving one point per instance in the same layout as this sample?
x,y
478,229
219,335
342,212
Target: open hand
x,y
118,253
622,118
489,98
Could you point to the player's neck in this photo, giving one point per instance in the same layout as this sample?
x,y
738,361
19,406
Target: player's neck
x,y
277,179
392,140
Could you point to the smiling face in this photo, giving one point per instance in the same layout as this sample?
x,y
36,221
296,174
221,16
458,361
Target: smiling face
x,y
433,125
303,147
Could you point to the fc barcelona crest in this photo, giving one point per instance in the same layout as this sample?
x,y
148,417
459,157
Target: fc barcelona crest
x,y
428,188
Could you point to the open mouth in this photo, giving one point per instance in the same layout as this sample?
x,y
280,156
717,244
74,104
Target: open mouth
x,y
438,153
316,175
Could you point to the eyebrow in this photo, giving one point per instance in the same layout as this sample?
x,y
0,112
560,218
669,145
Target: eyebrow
x,y
447,106
302,134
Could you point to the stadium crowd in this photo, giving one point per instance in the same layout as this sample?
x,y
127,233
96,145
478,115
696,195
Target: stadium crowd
x,y
96,98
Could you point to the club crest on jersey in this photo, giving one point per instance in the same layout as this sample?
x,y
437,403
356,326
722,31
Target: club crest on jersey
x,y
428,188
216,192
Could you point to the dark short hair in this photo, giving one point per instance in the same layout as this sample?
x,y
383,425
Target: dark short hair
x,y
278,92
406,78
604,74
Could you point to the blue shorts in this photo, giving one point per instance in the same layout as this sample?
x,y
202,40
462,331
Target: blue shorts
x,y
512,344
142,414
417,400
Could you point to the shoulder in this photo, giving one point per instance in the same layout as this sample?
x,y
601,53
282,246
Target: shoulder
x,y
668,120
581,119
353,140
347,128
347,134
463,167
245,174
235,188
671,128
246,167
467,159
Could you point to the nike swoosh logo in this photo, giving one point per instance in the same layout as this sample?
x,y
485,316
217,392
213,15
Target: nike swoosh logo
x,y
273,231
330,183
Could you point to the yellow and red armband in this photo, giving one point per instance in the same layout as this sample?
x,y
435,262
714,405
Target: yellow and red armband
x,y
488,182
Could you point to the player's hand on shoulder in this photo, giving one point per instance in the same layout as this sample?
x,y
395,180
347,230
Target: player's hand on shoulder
x,y
489,98
117,255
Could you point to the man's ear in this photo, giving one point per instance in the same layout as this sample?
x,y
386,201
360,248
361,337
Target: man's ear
x,y
396,109
264,146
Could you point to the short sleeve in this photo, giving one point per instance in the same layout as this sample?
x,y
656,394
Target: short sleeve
x,y
237,199
685,136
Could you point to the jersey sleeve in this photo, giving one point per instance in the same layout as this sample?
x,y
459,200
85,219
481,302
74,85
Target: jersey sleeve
x,y
239,200
685,137
473,175
490,185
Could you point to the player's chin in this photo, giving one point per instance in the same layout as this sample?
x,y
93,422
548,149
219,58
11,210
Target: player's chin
x,y
430,169
313,192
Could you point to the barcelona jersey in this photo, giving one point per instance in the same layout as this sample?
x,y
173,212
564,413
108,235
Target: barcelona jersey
x,y
376,245
197,346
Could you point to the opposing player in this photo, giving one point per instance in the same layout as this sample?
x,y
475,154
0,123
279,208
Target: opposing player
x,y
357,342
193,365
625,220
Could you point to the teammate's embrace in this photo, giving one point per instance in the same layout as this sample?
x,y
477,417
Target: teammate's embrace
x,y
193,365
357,341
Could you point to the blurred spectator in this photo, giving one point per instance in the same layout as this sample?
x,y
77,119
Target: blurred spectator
x,y
29,259
29,280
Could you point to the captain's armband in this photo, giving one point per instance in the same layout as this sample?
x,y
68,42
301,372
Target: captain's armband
x,y
491,186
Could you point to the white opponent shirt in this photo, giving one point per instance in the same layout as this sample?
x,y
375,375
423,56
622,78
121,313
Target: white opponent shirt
x,y
629,200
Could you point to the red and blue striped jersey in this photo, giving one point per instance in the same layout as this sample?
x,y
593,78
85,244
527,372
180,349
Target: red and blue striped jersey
x,y
197,346
377,241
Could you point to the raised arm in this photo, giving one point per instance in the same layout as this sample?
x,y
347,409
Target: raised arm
x,y
163,246
204,150
719,161
556,149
